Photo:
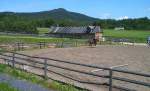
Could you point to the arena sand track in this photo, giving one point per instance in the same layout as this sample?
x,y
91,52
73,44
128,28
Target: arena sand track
x,y
137,58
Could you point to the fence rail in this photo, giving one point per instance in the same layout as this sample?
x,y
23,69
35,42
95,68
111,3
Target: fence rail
x,y
12,59
19,46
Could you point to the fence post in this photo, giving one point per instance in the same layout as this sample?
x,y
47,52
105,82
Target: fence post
x,y
18,45
22,46
5,61
76,43
13,60
40,45
44,44
62,44
45,68
110,79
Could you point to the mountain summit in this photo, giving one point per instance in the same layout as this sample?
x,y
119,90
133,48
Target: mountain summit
x,y
59,10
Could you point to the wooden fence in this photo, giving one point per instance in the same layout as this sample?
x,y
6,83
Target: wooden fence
x,y
13,58
19,46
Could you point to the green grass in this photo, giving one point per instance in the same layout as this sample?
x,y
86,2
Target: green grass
x,y
6,87
43,30
137,36
36,79
28,39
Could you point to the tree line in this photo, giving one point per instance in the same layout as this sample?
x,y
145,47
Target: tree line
x,y
129,24
18,24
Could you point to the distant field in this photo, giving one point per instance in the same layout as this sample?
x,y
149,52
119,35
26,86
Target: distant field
x,y
134,35
4,38
137,36
30,39
27,39
43,30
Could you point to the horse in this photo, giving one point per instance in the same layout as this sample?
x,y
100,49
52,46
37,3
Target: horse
x,y
92,42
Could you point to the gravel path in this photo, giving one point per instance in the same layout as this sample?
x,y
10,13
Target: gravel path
x,y
21,85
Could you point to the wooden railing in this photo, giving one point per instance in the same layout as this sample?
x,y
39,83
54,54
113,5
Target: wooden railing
x,y
20,46
11,59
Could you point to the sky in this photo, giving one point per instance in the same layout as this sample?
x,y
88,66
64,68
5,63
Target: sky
x,y
104,9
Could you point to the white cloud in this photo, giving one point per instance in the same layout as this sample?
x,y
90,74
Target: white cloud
x,y
123,17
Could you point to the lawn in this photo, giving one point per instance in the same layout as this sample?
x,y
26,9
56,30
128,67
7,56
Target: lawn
x,y
6,87
34,79
137,36
34,39
28,39
43,30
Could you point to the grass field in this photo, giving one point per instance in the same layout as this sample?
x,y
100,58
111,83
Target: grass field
x,y
134,35
137,36
34,39
30,39
27,39
43,30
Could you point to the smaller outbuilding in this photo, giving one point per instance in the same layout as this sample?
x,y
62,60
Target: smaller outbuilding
x,y
86,32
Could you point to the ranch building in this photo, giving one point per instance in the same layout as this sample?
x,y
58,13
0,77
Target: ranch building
x,y
88,32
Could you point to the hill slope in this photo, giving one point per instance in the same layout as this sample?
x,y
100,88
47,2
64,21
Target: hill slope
x,y
56,14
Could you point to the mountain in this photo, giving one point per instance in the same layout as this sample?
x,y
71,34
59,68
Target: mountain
x,y
56,14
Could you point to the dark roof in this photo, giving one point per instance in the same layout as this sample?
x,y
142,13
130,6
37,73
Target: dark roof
x,y
90,29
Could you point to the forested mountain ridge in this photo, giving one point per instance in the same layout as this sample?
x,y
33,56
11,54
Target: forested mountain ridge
x,y
56,14
28,22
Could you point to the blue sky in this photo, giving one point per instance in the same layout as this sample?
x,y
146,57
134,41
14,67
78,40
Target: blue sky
x,y
117,9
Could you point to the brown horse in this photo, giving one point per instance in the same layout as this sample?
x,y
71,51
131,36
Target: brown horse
x,y
92,42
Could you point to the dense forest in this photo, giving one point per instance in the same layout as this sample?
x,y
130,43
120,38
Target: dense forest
x,y
129,24
28,22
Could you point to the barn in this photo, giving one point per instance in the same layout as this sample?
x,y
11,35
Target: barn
x,y
85,32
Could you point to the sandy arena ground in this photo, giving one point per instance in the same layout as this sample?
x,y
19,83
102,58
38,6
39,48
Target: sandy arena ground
x,y
137,58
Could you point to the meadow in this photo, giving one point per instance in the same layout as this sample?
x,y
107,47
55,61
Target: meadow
x,y
43,30
134,35
138,36
28,39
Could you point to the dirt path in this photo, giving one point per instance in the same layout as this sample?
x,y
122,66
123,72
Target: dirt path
x,y
138,58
